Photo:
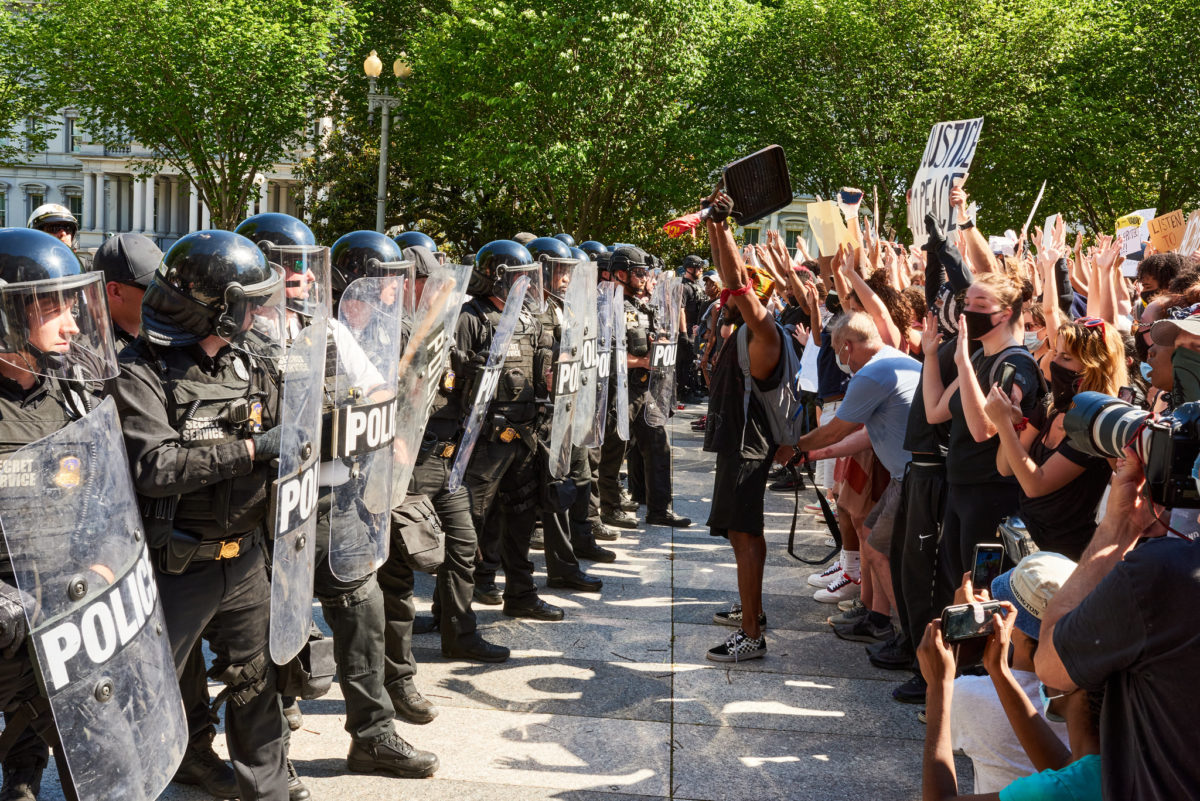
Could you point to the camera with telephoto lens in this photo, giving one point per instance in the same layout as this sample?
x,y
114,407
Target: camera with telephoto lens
x,y
1168,447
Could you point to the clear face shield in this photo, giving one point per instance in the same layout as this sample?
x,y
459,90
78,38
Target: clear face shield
x,y
305,277
255,317
58,328
535,299
405,287
556,275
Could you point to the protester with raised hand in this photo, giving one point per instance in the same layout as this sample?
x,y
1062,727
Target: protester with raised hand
x,y
979,497
741,440
861,295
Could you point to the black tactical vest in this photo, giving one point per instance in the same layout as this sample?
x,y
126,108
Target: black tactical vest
x,y
216,409
518,377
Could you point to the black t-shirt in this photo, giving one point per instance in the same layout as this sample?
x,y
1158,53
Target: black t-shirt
x,y
1063,521
971,462
922,436
726,428
1136,636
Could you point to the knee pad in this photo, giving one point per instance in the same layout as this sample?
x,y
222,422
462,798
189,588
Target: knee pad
x,y
243,682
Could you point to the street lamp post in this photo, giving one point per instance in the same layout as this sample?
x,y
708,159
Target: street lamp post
x,y
385,103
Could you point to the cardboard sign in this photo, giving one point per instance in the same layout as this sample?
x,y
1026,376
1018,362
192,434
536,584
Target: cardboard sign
x,y
1048,232
828,227
1191,235
948,155
1166,232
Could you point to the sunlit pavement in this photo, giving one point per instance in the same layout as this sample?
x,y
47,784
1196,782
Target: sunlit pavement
x,y
618,701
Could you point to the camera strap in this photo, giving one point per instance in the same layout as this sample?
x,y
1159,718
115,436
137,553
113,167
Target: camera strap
x,y
826,511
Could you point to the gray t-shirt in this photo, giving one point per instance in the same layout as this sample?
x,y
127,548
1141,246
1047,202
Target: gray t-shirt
x,y
1136,636
880,396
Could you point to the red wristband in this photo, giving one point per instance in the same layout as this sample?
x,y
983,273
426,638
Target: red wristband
x,y
1021,426
744,289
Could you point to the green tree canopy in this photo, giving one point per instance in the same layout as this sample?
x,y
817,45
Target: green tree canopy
x,y
219,89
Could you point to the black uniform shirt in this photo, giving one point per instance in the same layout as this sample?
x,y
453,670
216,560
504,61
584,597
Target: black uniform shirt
x,y
222,491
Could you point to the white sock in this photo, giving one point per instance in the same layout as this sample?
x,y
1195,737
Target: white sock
x,y
852,564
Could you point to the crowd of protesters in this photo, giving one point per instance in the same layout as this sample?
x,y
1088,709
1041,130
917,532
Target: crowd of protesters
x,y
940,416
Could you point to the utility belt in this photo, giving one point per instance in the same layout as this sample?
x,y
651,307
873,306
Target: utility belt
x,y
182,549
434,446
500,429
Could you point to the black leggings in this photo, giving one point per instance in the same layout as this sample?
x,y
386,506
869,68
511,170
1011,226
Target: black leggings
x,y
973,514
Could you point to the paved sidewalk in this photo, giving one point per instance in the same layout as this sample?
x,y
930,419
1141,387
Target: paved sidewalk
x,y
618,702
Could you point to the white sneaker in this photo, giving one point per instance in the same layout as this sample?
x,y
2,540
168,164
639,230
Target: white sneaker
x,y
843,589
827,575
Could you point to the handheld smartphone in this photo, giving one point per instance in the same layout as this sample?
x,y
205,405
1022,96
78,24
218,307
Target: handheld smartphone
x,y
969,621
1008,372
989,563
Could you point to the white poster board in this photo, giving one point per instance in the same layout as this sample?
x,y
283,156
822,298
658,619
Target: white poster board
x,y
948,155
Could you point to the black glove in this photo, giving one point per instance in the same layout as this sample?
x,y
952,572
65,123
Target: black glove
x,y
12,620
267,444
948,255
719,209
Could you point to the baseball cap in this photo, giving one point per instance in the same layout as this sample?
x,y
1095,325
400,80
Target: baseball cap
x,y
424,259
1179,318
127,259
1030,585
711,275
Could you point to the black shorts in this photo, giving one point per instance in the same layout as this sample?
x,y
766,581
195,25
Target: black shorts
x,y
738,488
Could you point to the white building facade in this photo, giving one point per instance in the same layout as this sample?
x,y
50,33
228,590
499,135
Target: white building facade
x,y
104,190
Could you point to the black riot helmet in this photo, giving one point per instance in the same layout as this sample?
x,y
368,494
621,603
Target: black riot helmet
x,y
213,282
364,254
578,253
548,247
53,317
407,239
628,258
498,264
593,249
566,239
276,228
290,245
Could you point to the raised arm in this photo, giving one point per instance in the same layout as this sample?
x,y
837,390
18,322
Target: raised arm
x,y
869,300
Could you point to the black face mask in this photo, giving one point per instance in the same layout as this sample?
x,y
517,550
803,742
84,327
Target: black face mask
x,y
1064,384
979,324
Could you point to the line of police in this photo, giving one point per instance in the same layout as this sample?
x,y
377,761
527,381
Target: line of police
x,y
273,401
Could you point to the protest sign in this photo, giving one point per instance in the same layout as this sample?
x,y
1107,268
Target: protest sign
x,y
948,155
827,225
1048,232
1132,231
1166,232
1191,235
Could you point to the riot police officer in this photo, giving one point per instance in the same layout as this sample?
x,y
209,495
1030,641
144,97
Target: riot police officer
x,y
58,221
452,615
566,539
196,400
46,383
408,239
694,301
630,267
502,476
355,607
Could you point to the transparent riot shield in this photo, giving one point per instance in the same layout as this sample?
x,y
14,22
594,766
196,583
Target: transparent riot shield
x,y
666,301
99,642
366,336
294,494
604,359
585,409
489,379
568,374
621,363
426,352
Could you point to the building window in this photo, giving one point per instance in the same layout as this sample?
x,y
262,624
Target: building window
x,y
35,199
30,131
71,140
750,236
790,236
3,209
75,205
